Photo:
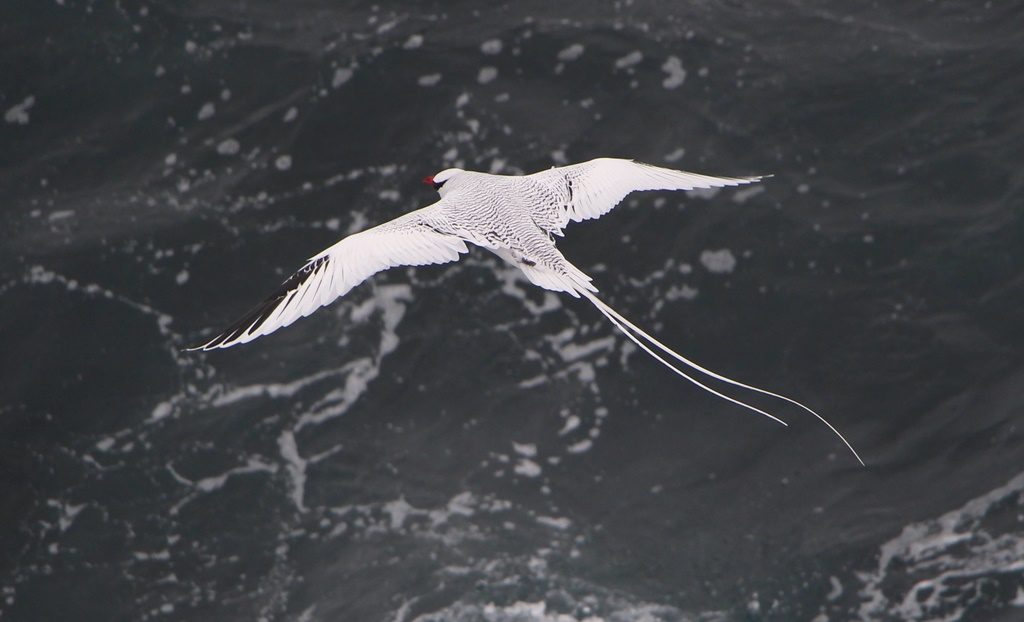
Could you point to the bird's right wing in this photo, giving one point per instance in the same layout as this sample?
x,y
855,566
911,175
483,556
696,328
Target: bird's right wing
x,y
414,239
591,189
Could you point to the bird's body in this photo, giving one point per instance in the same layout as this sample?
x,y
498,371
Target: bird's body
x,y
516,217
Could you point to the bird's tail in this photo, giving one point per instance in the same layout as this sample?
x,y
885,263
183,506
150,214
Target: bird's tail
x,y
626,327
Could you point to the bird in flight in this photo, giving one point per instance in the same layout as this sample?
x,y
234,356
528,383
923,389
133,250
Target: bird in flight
x,y
516,218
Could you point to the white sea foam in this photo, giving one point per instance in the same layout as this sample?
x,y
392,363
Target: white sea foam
x,y
720,261
681,292
228,146
390,301
341,76
556,522
935,569
527,468
398,510
398,515
629,60
18,113
676,74
535,381
271,390
430,79
573,351
744,194
571,423
837,589
206,111
571,53
616,608
580,447
486,75
491,46
675,155
216,482
68,512
296,468
161,410
525,449
60,214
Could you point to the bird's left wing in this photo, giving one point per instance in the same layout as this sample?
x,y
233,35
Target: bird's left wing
x,y
591,189
414,239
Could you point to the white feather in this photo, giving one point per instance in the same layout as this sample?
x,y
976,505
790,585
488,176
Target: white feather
x,y
412,239
601,184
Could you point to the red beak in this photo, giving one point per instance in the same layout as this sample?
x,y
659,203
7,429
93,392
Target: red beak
x,y
429,180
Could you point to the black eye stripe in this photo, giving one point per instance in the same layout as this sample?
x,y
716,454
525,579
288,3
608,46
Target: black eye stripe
x,y
438,184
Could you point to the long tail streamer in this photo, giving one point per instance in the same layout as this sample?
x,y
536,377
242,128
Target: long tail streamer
x,y
622,323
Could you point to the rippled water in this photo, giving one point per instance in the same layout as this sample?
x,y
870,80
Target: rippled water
x,y
452,443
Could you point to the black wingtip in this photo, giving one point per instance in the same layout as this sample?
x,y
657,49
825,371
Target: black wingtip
x,y
258,315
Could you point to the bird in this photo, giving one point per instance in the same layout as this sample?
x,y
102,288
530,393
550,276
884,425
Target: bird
x,y
516,217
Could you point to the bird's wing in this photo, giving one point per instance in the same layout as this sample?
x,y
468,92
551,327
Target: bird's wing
x,y
591,189
410,240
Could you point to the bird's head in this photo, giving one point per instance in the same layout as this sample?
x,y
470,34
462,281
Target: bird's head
x,y
440,181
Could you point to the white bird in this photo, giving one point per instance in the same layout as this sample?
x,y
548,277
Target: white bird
x,y
515,217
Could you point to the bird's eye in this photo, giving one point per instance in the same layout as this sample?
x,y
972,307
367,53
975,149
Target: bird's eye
x,y
438,184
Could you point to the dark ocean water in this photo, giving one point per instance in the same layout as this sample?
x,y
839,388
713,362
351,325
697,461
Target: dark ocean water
x,y
452,443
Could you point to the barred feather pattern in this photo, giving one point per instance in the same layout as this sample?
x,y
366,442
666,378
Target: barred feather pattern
x,y
516,217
